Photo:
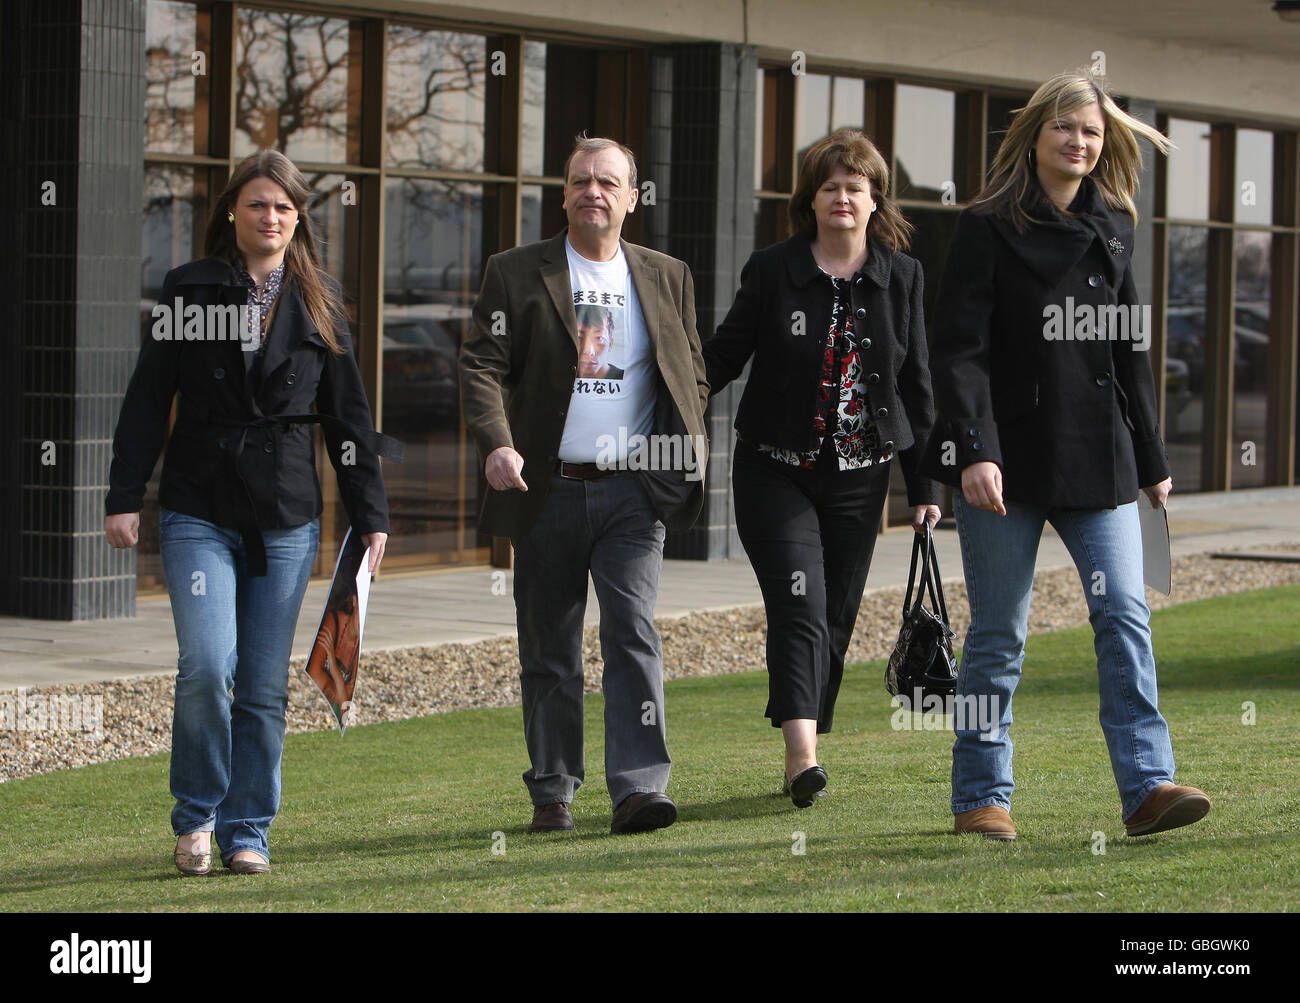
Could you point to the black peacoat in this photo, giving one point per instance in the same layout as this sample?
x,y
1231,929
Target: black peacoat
x,y
780,317
240,453
1040,359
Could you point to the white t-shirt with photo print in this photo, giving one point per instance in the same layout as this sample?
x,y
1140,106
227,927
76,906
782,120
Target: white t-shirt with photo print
x,y
623,396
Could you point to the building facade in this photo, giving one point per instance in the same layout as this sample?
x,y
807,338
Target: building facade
x,y
435,135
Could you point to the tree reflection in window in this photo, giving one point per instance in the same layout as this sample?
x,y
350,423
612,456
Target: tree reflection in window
x,y
435,99
291,85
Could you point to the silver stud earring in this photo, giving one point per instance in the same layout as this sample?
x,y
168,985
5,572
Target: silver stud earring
x,y
230,216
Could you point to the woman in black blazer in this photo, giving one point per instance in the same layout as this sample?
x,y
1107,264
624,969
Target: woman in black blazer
x,y
839,385
1047,412
254,340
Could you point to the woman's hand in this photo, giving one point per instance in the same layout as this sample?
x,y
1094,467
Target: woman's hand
x,y
981,485
375,541
122,530
1159,493
923,514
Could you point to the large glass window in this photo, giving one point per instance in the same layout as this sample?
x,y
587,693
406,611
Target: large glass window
x,y
1188,173
291,85
436,109
1254,187
1187,423
926,150
175,72
1248,459
433,257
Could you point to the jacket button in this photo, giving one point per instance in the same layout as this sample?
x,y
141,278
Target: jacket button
x,y
873,379
218,374
860,313
974,432
290,380
866,343
977,446
1094,279
888,446
858,281
1103,380
267,448
222,443
882,412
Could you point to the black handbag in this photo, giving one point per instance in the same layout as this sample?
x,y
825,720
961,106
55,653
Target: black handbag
x,y
923,659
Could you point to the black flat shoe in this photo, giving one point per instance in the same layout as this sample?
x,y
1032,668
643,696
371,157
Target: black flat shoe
x,y
806,787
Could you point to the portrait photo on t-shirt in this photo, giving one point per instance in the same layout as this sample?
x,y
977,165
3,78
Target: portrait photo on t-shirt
x,y
601,342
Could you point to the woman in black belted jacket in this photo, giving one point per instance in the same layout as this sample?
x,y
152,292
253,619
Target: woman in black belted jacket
x,y
834,323
1047,412
254,340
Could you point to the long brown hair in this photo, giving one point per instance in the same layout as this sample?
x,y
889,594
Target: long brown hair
x,y
322,301
1013,190
852,150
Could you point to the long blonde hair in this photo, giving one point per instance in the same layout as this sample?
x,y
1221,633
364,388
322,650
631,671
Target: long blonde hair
x,y
1013,190
322,301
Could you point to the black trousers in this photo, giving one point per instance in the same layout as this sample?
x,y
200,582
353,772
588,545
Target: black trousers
x,y
809,535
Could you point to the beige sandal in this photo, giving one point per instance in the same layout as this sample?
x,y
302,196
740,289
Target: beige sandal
x,y
194,853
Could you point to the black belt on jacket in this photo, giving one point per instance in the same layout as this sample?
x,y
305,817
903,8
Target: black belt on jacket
x,y
245,515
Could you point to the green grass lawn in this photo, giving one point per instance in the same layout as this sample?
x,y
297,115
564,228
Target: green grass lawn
x,y
403,816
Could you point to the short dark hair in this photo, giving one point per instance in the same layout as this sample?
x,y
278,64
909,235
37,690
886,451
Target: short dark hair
x,y
591,315
582,143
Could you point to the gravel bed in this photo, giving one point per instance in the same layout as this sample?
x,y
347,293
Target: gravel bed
x,y
413,682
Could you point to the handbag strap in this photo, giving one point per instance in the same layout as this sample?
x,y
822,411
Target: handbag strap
x,y
911,578
932,577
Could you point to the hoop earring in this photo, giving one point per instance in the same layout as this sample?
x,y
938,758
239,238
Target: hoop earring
x,y
1031,158
1106,161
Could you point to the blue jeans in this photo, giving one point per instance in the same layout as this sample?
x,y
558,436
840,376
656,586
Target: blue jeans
x,y
998,554
235,634
605,526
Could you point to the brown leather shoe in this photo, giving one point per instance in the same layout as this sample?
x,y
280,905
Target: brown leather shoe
x,y
551,818
1168,807
248,862
643,812
991,822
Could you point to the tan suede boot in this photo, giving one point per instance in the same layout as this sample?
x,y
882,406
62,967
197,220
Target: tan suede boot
x,y
991,822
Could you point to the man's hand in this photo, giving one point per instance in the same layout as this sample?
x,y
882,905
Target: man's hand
x,y
503,469
122,530
923,514
981,485
1159,493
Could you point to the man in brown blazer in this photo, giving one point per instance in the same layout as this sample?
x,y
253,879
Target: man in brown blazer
x,y
585,473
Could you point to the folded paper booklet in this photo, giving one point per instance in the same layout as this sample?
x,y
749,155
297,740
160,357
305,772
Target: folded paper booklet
x,y
1157,566
336,653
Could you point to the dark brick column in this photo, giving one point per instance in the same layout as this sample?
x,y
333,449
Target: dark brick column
x,y
74,137
701,158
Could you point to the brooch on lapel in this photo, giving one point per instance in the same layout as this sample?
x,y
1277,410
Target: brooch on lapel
x,y
1115,246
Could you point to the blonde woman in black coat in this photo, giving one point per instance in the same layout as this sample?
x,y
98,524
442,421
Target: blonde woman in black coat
x,y
834,323
1047,413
